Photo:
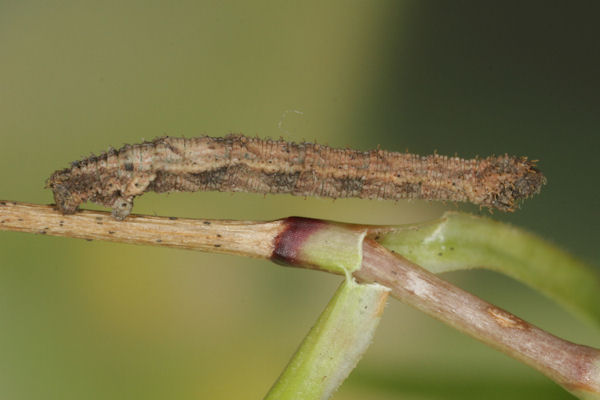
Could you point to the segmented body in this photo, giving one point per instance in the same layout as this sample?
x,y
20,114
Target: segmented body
x,y
237,163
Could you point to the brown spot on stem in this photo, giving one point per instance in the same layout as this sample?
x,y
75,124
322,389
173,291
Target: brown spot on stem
x,y
506,320
288,243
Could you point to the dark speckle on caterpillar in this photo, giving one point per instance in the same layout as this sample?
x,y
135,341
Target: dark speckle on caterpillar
x,y
237,163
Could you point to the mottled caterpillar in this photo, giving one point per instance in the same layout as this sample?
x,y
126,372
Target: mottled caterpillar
x,y
237,163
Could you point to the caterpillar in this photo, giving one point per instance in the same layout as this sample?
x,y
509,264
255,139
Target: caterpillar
x,y
237,163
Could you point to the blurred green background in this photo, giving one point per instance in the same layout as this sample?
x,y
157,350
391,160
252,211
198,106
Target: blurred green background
x,y
92,320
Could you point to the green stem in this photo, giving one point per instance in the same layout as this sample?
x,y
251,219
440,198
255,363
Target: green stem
x,y
334,345
462,241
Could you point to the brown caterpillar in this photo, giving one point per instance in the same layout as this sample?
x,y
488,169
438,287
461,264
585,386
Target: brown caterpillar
x,y
237,163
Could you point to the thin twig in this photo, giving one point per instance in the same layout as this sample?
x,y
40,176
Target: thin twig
x,y
575,367
250,239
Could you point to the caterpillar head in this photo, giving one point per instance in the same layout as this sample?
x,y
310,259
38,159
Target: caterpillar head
x,y
67,200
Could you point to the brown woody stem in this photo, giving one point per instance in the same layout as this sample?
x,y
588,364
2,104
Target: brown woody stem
x,y
250,239
575,367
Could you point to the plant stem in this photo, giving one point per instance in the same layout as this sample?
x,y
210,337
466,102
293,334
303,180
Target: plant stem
x,y
575,367
463,241
250,239
334,345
